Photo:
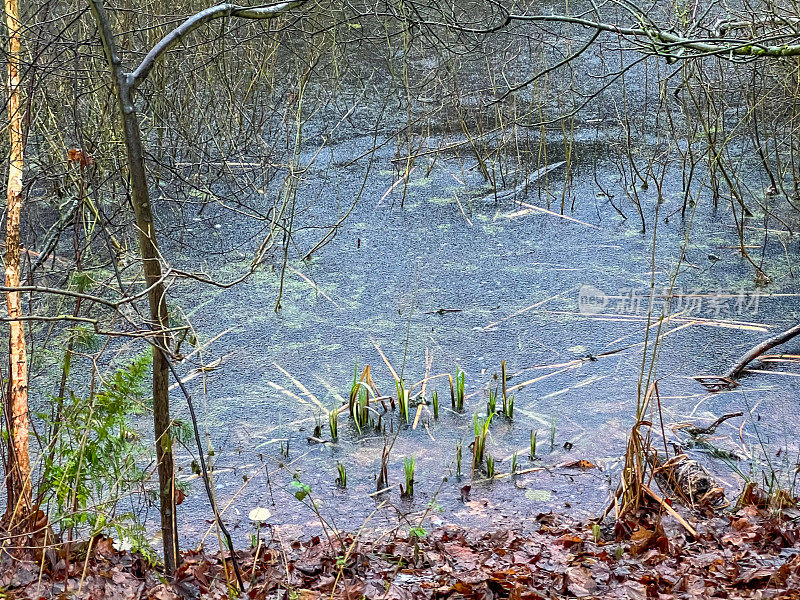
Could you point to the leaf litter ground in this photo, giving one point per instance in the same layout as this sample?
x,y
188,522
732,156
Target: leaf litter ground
x,y
742,554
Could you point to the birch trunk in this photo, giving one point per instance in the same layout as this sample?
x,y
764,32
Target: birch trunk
x,y
17,409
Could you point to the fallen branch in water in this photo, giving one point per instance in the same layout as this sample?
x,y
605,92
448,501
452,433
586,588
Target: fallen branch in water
x,y
709,430
728,380
523,187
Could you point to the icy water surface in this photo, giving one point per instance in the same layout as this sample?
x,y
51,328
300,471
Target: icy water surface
x,y
450,279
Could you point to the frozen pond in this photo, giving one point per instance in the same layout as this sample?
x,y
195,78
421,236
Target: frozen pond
x,y
431,275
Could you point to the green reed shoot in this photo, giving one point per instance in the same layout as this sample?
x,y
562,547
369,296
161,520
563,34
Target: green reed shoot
x,y
552,434
409,466
489,466
508,406
341,480
491,406
503,379
514,463
533,445
481,427
333,423
508,401
460,381
458,458
285,448
361,410
354,389
435,401
363,406
402,398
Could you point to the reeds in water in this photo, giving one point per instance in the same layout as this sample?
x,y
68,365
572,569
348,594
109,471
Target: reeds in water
x,y
341,480
481,428
409,468
403,397
457,390
508,401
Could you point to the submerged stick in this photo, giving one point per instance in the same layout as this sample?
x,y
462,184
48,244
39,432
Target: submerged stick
x,y
531,179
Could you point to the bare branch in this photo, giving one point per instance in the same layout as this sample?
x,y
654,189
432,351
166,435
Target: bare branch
x,y
709,46
198,20
60,292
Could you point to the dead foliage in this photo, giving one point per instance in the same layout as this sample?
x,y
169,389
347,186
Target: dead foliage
x,y
744,554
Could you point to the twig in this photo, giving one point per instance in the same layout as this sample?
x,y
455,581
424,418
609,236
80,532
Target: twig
x,y
670,510
206,479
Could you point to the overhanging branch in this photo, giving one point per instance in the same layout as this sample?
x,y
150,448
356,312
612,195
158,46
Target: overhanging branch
x,y
198,20
781,41
665,41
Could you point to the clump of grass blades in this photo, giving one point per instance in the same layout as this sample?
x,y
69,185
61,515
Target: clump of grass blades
x,y
491,406
508,407
357,387
361,410
779,477
409,467
508,401
457,389
333,423
402,398
489,466
481,427
514,463
435,401
341,480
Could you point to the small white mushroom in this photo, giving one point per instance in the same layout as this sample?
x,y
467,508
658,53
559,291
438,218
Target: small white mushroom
x,y
259,514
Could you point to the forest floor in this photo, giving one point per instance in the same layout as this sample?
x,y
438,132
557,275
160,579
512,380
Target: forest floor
x,y
741,554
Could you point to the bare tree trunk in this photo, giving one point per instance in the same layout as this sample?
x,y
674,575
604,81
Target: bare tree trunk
x,y
17,409
125,86
159,318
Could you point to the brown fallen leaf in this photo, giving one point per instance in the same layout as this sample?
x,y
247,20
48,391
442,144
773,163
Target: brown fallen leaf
x,y
578,464
644,539
579,582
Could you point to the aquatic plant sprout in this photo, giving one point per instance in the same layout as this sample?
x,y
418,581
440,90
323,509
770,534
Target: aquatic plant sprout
x,y
481,428
409,468
491,406
402,398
